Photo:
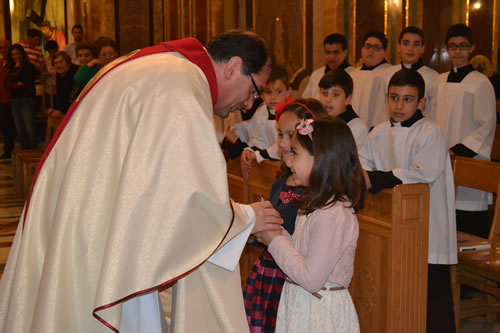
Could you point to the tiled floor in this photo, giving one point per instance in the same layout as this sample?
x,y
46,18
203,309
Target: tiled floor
x,y
10,211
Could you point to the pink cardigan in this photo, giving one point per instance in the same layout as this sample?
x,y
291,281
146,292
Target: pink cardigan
x,y
322,248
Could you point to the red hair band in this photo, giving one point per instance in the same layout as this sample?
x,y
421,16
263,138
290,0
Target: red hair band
x,y
281,106
305,107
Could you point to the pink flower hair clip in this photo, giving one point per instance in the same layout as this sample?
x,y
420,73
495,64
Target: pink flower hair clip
x,y
305,128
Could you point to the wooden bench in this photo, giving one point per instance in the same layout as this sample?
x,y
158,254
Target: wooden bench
x,y
389,286
478,268
19,159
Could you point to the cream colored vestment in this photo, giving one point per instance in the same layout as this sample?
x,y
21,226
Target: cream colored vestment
x,y
132,197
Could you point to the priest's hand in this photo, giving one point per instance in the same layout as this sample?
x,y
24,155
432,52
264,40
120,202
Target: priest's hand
x,y
266,217
266,237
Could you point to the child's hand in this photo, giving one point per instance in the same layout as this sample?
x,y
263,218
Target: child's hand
x,y
231,134
266,217
246,162
266,237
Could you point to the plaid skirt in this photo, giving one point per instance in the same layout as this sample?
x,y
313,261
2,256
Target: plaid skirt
x,y
262,294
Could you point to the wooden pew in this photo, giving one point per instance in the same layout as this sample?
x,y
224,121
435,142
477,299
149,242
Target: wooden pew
x,y
19,158
478,268
389,286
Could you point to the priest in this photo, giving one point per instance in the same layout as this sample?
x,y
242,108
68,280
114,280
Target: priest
x,y
131,196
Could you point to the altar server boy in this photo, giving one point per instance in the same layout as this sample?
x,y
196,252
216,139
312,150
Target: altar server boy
x,y
335,52
407,149
335,96
411,47
368,98
464,107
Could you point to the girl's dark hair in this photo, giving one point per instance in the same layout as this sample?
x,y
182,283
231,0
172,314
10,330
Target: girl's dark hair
x,y
11,64
302,113
336,174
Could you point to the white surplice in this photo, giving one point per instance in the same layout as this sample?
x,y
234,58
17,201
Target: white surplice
x,y
466,113
418,154
312,89
359,131
258,131
368,96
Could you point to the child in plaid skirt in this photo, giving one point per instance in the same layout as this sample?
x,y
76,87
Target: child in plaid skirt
x,y
265,282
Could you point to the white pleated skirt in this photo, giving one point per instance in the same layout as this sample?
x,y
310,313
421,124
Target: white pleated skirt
x,y
300,311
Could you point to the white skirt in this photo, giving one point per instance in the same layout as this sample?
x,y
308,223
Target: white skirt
x,y
300,311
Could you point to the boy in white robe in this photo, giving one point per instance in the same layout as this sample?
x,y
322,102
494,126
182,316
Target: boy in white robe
x,y
368,98
464,106
335,96
411,149
411,47
335,51
253,136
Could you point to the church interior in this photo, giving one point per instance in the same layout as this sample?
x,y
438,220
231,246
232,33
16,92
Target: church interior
x,y
390,275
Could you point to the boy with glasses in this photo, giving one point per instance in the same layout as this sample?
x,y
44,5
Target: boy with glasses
x,y
464,107
368,98
411,47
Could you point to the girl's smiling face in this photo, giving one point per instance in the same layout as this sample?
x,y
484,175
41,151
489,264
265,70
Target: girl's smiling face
x,y
301,163
286,127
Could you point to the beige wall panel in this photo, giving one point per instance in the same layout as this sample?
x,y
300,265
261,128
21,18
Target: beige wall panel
x,y
101,19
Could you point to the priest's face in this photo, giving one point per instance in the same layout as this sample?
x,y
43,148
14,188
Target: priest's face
x,y
411,48
403,102
459,49
238,90
334,55
372,52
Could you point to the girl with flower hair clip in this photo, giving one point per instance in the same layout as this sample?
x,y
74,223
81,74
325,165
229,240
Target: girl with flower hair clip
x,y
319,258
264,284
